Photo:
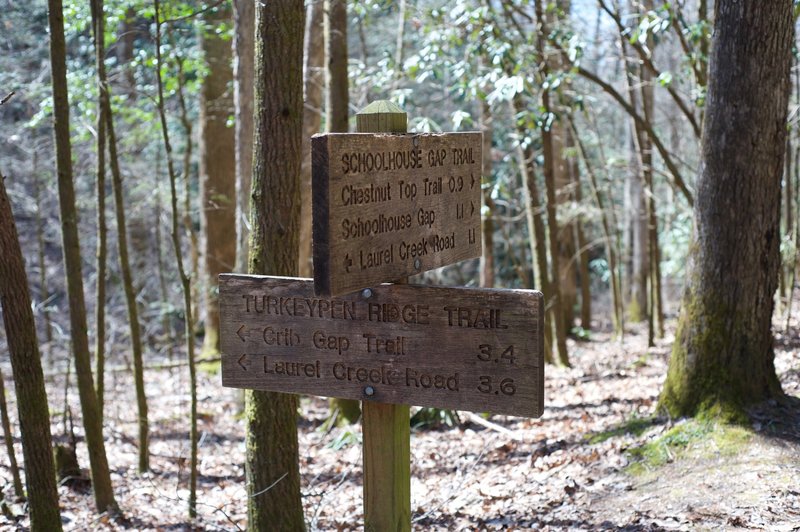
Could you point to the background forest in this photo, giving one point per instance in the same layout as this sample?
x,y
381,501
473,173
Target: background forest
x,y
592,113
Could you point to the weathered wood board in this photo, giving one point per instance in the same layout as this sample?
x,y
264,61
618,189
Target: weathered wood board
x,y
460,348
389,206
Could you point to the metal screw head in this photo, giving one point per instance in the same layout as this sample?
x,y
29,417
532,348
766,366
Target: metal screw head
x,y
369,391
366,293
417,264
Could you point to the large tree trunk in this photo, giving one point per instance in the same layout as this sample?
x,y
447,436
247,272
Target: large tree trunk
x,y
314,82
34,414
271,462
217,171
723,358
244,14
101,477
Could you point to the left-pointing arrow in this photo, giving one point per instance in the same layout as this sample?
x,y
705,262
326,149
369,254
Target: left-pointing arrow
x,y
242,333
242,360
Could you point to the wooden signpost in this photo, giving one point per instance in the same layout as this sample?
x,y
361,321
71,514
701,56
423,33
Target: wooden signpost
x,y
387,205
390,206
466,348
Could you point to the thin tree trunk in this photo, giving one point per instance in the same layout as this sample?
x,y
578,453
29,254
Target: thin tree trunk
x,y
244,12
44,294
9,440
337,103
130,296
187,291
637,215
487,223
552,221
162,278
606,224
336,121
101,477
34,414
314,82
98,25
536,230
580,237
271,462
188,223
122,238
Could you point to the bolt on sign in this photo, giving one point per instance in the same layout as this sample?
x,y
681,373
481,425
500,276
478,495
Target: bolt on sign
x,y
460,348
389,206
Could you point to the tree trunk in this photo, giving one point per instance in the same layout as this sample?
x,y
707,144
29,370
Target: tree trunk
x,y
271,462
487,223
217,171
536,229
580,238
336,109
314,81
723,358
44,294
176,244
122,242
337,102
244,14
34,414
101,477
9,440
98,26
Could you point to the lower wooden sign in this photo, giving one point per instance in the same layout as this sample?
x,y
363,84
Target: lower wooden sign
x,y
460,348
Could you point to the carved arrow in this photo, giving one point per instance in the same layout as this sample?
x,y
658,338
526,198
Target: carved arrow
x,y
242,335
348,262
472,207
241,361
472,183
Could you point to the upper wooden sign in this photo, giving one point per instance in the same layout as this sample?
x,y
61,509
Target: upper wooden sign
x,y
387,206
461,348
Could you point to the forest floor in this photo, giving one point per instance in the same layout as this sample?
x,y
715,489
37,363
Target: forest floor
x,y
597,459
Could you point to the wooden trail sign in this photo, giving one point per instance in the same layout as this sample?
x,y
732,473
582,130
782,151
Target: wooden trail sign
x,y
460,348
386,206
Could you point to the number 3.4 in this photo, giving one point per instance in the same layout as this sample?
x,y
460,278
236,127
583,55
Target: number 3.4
x,y
506,387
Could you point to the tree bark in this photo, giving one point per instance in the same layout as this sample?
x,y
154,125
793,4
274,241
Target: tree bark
x,y
723,358
34,414
271,462
122,243
217,171
336,109
176,244
314,82
101,477
98,28
535,220
244,14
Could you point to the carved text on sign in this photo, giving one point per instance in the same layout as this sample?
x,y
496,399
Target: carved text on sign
x,y
389,206
461,348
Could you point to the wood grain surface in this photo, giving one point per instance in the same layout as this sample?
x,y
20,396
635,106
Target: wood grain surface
x,y
389,206
460,348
